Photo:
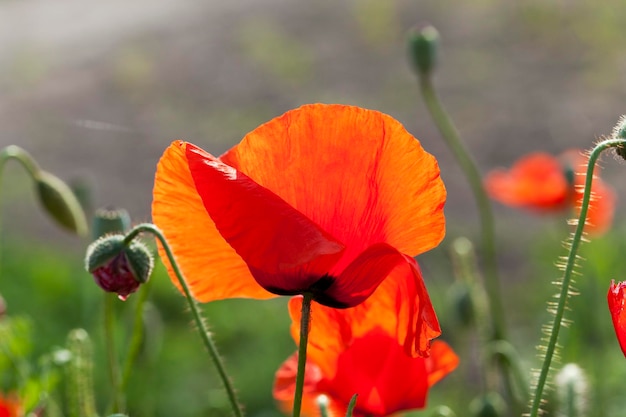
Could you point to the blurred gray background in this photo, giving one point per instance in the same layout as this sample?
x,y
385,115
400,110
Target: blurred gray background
x,y
97,90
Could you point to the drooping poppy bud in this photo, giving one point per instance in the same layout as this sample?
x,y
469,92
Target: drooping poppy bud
x,y
616,298
59,201
118,267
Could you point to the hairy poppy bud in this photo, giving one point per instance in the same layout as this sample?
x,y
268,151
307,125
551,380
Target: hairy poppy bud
x,y
110,220
619,132
118,267
423,49
60,202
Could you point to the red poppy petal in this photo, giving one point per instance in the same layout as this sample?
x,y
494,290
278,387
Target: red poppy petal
x,y
355,172
616,299
285,387
391,383
211,266
536,181
441,362
400,306
285,251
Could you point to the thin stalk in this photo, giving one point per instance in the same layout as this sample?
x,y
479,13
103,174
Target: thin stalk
x,y
113,364
567,274
305,320
463,158
137,336
195,312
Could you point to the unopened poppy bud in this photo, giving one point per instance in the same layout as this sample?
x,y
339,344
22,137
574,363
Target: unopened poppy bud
x,y
110,220
489,405
619,132
118,267
60,202
423,49
572,390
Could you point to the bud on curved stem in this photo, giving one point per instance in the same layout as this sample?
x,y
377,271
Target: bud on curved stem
x,y
195,311
56,197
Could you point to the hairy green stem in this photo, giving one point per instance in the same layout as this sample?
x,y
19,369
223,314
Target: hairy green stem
x,y
305,320
567,275
113,364
195,312
463,158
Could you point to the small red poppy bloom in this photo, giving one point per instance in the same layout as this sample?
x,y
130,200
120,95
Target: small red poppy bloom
x,y
356,351
325,199
617,298
544,183
10,406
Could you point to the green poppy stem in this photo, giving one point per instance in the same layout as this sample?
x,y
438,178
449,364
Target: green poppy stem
x,y
137,335
117,403
195,312
468,166
559,311
305,320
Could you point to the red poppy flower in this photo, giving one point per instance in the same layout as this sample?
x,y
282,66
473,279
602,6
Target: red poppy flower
x,y
544,183
325,199
617,298
10,406
356,351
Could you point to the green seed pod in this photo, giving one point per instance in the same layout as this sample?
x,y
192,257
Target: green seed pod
x,y
423,49
110,220
60,202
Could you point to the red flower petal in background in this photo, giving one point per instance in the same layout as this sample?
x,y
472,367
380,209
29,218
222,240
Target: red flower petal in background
x,y
536,181
10,406
357,350
616,299
324,199
542,182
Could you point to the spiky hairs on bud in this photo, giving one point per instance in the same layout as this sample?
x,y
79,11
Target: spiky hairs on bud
x,y
619,132
117,266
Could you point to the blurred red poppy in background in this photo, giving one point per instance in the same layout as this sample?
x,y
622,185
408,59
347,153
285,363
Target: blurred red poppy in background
x,y
544,183
10,406
325,199
616,298
356,351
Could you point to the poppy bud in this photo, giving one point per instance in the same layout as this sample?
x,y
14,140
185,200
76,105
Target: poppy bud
x,y
489,405
110,220
60,202
572,389
619,132
118,267
616,298
423,48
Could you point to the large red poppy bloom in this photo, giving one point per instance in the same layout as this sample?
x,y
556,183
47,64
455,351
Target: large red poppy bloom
x,y
325,199
616,299
356,351
544,183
